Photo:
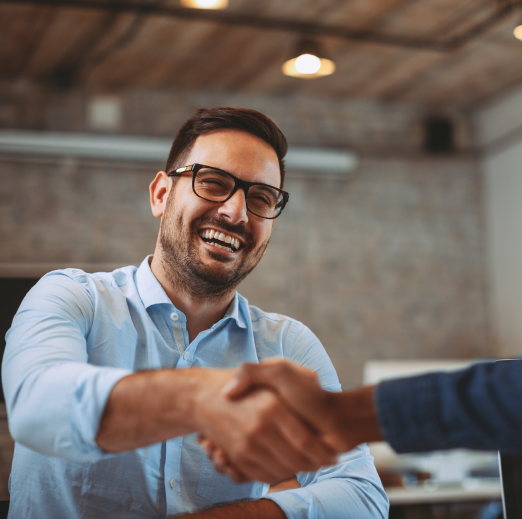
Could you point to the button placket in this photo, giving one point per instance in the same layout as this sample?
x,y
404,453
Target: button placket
x,y
177,331
172,467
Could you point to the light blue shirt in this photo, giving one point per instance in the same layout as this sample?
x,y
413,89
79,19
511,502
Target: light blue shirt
x,y
75,335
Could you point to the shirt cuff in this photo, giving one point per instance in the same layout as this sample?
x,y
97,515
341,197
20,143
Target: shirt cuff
x,y
89,397
408,411
297,504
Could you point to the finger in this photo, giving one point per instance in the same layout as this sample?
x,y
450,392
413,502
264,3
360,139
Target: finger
x,y
291,459
235,475
298,386
276,373
305,442
239,385
223,465
207,445
219,460
260,463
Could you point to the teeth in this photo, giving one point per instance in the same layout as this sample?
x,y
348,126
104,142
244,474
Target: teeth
x,y
228,249
210,233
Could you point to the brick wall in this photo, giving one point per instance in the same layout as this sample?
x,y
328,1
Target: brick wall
x,y
387,263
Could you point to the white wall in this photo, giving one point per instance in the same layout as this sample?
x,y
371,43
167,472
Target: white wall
x,y
500,134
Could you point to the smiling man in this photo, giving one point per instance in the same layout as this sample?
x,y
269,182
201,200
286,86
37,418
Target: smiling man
x,y
109,377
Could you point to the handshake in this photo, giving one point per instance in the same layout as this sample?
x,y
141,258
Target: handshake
x,y
277,421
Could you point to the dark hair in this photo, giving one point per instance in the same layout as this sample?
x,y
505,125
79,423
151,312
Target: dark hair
x,y
208,119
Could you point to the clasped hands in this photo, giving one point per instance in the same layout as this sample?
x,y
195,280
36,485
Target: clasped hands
x,y
282,423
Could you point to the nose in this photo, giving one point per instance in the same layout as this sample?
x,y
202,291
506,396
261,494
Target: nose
x,y
234,209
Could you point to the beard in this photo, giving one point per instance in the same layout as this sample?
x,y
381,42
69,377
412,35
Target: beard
x,y
186,270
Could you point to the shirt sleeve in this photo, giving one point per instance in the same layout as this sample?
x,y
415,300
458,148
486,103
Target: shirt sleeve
x,y
476,408
351,489
54,398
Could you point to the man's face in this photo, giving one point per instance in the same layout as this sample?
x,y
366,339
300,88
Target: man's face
x,y
189,220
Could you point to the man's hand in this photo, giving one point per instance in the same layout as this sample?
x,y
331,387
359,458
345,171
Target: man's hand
x,y
343,420
263,438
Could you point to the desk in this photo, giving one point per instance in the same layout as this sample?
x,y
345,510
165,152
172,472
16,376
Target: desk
x,y
484,491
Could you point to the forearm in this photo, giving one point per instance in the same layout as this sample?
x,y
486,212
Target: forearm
x,y
262,509
476,408
149,407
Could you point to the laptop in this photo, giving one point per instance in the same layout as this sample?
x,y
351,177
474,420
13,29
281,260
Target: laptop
x,y
511,479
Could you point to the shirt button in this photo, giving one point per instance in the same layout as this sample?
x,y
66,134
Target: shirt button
x,y
174,316
172,483
186,355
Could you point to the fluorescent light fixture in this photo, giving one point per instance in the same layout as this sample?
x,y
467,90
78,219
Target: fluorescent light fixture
x,y
309,63
517,33
205,4
300,159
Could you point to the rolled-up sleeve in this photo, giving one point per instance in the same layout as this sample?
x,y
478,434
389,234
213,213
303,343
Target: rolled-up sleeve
x,y
54,398
351,488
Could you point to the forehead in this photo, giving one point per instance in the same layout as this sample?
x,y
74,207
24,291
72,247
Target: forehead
x,y
242,154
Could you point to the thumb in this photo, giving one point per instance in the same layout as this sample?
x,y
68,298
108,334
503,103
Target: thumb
x,y
242,383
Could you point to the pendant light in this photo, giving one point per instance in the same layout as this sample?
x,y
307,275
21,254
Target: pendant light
x,y
205,4
309,62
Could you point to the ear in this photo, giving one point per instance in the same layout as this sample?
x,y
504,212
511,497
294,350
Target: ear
x,y
159,192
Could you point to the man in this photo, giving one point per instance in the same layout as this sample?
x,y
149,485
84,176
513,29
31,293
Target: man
x,y
475,408
105,419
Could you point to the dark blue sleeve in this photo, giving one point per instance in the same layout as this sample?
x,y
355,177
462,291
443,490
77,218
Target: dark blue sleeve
x,y
476,408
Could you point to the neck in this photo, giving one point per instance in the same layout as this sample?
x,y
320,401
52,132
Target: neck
x,y
201,312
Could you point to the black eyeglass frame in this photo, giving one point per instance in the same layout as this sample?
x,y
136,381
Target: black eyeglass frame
x,y
239,184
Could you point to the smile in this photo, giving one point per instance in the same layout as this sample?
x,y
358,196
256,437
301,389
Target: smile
x,y
220,240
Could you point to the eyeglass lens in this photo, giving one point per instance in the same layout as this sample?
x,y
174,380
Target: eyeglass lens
x,y
216,186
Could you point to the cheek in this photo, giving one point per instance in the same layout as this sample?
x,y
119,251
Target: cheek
x,y
263,232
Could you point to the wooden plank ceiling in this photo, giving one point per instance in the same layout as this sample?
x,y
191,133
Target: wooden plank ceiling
x,y
456,52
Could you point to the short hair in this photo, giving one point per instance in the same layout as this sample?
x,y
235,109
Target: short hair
x,y
208,119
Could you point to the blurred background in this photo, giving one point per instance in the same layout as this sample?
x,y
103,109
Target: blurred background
x,y
402,239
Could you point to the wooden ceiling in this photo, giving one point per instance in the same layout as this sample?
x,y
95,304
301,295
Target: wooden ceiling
x,y
434,52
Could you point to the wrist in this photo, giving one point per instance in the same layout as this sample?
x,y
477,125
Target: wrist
x,y
356,415
205,386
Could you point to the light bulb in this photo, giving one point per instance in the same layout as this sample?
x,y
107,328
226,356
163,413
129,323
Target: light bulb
x,y
517,33
307,64
205,4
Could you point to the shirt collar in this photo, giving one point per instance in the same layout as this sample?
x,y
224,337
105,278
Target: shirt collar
x,y
152,293
149,288
236,310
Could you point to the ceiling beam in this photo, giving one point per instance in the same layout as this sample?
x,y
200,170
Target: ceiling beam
x,y
304,29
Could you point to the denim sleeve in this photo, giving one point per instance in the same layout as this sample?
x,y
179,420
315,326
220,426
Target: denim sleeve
x,y
351,489
475,408
54,398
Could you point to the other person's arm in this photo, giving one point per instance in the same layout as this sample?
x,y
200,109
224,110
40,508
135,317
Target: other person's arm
x,y
475,408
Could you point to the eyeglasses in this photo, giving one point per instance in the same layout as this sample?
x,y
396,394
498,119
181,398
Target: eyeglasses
x,y
216,185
